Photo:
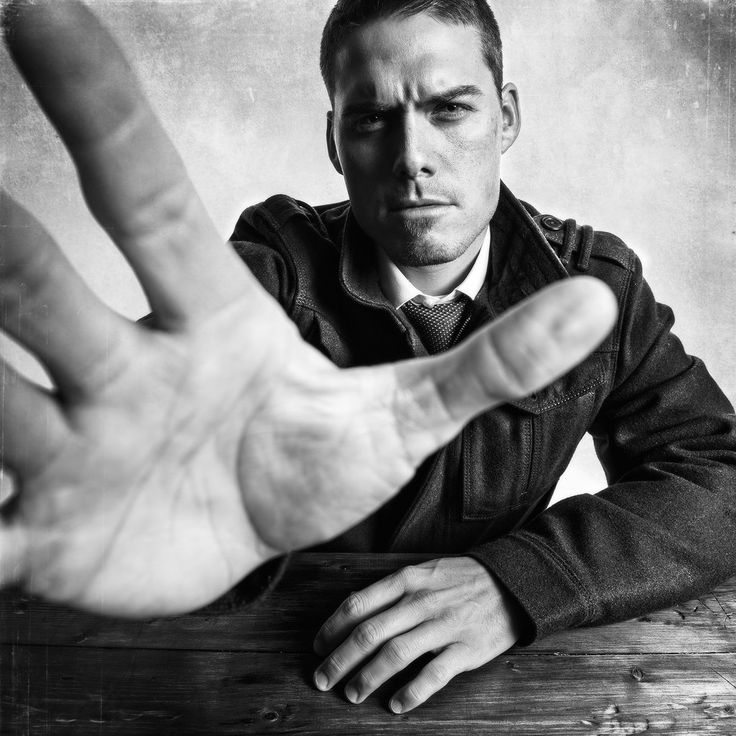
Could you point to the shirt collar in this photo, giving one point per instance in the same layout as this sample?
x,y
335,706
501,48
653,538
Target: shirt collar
x,y
399,290
524,262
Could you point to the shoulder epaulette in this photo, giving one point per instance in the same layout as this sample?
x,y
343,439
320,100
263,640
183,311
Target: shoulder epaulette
x,y
568,238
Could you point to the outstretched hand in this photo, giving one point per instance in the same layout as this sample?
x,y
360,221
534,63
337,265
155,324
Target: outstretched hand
x,y
173,459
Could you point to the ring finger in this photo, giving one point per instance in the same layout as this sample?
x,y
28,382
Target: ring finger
x,y
367,638
395,656
46,306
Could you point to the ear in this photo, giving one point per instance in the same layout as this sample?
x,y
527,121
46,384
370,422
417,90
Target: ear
x,y
331,146
510,116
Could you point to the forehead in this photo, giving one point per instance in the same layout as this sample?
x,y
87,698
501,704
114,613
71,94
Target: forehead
x,y
397,58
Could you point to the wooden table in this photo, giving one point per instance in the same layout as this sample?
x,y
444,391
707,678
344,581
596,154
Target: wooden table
x,y
237,669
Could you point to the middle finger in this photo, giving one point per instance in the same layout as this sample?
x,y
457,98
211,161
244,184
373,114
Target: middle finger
x,y
133,178
395,656
368,637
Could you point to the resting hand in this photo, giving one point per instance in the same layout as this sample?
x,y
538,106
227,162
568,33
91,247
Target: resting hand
x,y
450,607
169,461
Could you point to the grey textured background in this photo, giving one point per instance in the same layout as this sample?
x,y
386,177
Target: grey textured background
x,y
628,125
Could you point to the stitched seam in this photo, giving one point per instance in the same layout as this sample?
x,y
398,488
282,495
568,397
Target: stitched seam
x,y
285,252
553,556
305,304
492,510
500,509
620,324
587,388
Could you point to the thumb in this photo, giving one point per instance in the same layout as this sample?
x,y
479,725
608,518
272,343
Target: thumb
x,y
530,346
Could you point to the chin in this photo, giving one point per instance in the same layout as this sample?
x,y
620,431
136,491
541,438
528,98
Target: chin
x,y
427,251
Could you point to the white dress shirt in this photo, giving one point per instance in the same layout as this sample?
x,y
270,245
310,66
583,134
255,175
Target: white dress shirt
x,y
399,290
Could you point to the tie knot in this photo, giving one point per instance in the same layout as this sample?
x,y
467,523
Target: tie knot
x,y
441,326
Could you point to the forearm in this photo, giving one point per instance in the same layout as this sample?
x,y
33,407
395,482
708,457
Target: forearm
x,y
597,559
664,529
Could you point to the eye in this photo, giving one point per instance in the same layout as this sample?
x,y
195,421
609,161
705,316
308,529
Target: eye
x,y
370,122
451,111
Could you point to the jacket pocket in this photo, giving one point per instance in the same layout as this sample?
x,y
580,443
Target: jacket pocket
x,y
517,452
496,462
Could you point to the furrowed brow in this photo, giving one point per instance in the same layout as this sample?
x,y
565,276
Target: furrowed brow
x,y
367,107
364,108
465,90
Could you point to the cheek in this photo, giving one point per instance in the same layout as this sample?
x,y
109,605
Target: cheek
x,y
477,165
360,168
474,147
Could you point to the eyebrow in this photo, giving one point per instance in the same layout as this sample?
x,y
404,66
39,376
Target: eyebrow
x,y
465,90
448,95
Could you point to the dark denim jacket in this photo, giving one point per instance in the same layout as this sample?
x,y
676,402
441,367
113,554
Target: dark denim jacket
x,y
665,528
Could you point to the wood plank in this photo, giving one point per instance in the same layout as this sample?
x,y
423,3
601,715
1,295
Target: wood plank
x,y
113,692
312,586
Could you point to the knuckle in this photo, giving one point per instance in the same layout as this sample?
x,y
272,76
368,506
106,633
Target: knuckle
x,y
473,656
333,666
411,575
397,651
367,636
511,365
354,605
425,599
365,681
415,694
404,577
326,632
450,617
437,674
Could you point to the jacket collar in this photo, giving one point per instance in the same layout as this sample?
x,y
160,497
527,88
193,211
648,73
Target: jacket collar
x,y
522,261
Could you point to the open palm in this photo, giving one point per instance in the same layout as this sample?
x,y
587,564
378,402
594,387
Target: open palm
x,y
173,458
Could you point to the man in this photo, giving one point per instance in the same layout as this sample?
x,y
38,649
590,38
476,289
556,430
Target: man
x,y
215,463
419,121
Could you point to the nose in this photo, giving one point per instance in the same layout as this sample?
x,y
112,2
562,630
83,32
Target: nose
x,y
412,159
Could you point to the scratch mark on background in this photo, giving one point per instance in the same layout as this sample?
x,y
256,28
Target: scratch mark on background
x,y
726,614
707,79
729,138
724,678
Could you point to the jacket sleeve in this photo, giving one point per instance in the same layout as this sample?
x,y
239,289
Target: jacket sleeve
x,y
265,262
664,530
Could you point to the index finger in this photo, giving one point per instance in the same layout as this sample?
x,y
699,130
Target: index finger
x,y
133,179
358,607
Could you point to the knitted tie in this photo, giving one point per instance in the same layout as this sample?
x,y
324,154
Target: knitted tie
x,y
441,326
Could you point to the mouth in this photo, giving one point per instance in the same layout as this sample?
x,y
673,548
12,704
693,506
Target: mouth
x,y
419,207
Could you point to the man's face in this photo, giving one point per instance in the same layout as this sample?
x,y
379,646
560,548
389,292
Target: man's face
x,y
418,130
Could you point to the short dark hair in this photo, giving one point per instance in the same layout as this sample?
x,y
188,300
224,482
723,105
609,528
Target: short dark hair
x,y
349,15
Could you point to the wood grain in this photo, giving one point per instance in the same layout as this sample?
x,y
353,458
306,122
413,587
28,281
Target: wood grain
x,y
240,668
312,586
117,691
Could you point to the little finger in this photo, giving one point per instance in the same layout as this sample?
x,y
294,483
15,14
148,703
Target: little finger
x,y
31,423
432,678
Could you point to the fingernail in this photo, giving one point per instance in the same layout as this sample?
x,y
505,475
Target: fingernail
x,y
396,706
320,680
351,694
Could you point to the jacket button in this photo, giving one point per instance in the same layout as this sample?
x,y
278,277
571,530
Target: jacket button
x,y
551,222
